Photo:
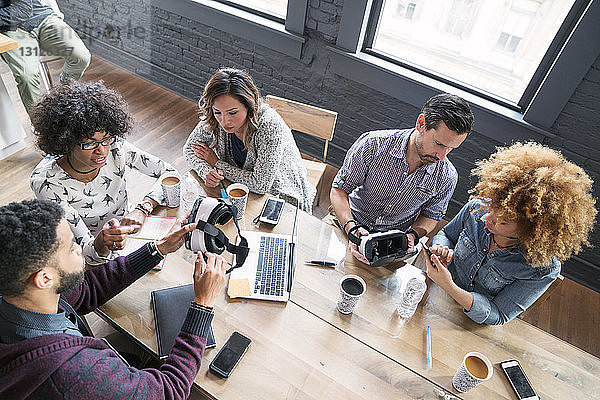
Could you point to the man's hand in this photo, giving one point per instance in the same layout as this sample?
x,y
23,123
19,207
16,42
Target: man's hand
x,y
354,248
214,178
175,238
112,237
204,152
209,278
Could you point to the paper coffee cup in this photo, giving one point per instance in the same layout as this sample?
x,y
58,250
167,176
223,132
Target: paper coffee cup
x,y
238,195
171,187
351,288
474,369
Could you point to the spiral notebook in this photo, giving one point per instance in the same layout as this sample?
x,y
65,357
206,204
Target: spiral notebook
x,y
170,308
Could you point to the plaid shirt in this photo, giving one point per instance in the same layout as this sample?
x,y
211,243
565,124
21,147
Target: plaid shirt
x,y
382,194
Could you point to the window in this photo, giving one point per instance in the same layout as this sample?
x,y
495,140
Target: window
x,y
276,8
489,47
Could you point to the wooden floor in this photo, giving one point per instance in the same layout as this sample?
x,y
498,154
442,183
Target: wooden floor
x,y
163,123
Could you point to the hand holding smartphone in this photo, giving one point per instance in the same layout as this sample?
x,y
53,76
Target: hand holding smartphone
x,y
230,355
518,380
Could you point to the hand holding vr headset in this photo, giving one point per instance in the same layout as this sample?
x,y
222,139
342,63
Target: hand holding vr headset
x,y
380,248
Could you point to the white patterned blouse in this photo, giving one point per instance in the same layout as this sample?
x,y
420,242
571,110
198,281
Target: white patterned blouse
x,y
88,206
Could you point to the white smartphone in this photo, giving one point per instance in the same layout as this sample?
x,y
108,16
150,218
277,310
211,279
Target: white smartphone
x,y
518,380
271,211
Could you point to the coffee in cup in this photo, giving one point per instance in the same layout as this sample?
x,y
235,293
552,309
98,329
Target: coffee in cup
x,y
351,288
238,194
475,368
171,187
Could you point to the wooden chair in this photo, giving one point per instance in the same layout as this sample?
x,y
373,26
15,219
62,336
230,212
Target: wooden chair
x,y
45,75
544,296
312,121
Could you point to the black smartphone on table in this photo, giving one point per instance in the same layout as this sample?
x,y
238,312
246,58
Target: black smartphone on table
x,y
518,380
230,354
271,211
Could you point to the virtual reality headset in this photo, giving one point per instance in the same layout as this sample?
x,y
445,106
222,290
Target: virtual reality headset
x,y
380,248
208,212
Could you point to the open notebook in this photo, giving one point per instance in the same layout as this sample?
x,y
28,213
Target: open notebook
x,y
154,228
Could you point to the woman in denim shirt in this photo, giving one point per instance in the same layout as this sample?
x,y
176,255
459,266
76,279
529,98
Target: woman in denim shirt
x,y
530,210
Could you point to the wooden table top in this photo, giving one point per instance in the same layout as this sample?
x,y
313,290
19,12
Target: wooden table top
x,y
7,43
307,349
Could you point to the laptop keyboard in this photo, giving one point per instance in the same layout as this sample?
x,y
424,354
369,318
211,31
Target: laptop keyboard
x,y
270,272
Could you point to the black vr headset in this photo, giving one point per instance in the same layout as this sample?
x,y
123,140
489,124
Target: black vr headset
x,y
380,248
207,212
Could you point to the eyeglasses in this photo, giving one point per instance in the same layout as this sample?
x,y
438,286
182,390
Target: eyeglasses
x,y
93,145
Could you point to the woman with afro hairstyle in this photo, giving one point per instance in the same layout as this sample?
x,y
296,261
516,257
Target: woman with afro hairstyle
x,y
81,129
530,210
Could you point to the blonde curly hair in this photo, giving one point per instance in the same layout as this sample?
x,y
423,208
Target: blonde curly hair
x,y
547,196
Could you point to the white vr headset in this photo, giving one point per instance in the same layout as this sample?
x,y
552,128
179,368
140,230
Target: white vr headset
x,y
207,212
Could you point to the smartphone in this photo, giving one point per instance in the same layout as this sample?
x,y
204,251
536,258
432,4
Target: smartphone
x,y
518,380
271,211
230,354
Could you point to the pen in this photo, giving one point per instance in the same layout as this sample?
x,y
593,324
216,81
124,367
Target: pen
x,y
429,361
320,263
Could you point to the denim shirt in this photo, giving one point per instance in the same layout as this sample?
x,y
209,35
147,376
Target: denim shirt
x,y
503,285
25,14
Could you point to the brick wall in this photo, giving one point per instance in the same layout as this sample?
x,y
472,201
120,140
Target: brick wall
x,y
181,54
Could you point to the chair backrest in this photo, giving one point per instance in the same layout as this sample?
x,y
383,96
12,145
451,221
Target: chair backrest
x,y
544,296
304,118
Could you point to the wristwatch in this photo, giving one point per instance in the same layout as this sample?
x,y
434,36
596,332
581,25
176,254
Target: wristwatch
x,y
154,250
146,207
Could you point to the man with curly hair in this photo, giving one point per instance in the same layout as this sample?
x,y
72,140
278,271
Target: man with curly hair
x,y
530,210
81,129
402,179
37,27
45,351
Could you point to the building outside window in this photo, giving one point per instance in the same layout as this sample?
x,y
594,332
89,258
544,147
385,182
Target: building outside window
x,y
491,47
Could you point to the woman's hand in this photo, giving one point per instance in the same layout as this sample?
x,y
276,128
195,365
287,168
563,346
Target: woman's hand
x,y
438,272
444,253
112,237
204,152
135,217
214,178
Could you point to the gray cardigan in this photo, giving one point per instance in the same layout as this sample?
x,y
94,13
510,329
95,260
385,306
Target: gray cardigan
x,y
273,164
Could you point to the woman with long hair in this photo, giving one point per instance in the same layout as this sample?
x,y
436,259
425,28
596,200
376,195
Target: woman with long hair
x,y
241,139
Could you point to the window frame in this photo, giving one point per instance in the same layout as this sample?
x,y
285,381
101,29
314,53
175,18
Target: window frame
x,y
287,38
258,12
542,100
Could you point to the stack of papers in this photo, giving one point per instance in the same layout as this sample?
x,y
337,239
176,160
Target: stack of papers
x,y
154,228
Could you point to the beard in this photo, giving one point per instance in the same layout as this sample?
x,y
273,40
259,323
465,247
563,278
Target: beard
x,y
424,157
69,281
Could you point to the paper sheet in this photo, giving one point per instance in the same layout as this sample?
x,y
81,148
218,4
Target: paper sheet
x,y
239,288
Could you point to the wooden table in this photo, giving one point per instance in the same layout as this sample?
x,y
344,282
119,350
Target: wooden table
x,y
11,131
307,349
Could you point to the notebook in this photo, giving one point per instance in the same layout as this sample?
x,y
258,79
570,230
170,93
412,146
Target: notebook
x,y
170,308
154,228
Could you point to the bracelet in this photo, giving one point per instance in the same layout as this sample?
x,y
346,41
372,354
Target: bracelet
x,y
142,209
201,307
417,237
347,222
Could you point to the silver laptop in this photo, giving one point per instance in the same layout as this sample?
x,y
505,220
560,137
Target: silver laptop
x,y
267,273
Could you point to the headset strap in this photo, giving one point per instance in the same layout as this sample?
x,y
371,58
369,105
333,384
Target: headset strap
x,y
352,237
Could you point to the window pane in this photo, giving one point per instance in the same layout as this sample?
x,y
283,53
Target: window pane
x,y
273,7
493,46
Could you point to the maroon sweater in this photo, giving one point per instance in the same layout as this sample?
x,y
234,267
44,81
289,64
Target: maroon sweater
x,y
61,366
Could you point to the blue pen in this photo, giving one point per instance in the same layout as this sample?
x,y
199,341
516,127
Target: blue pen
x,y
429,361
224,194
